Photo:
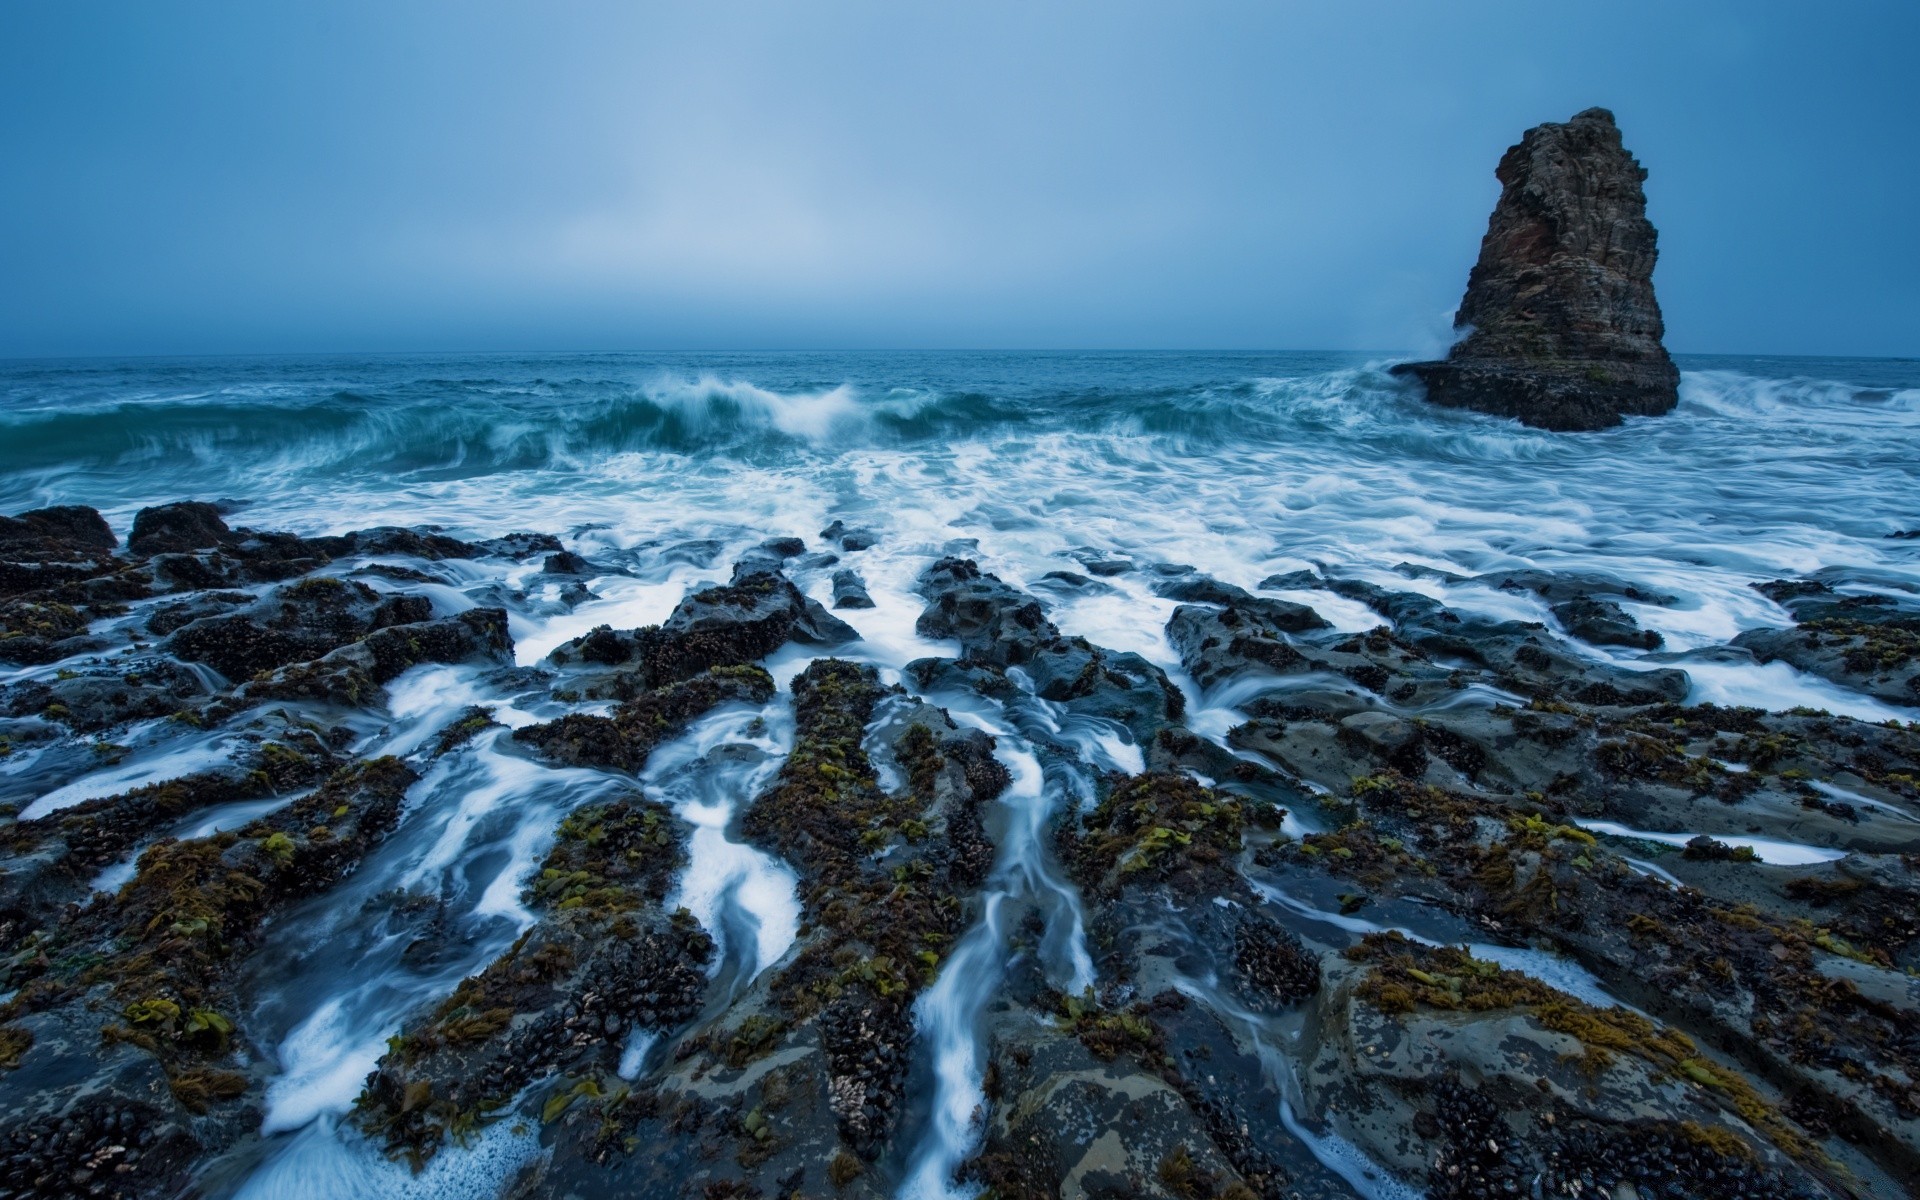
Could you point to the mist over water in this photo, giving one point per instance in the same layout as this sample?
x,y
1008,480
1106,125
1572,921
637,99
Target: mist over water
x,y
670,467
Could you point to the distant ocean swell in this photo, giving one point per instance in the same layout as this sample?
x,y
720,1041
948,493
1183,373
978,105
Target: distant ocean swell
x,y
468,427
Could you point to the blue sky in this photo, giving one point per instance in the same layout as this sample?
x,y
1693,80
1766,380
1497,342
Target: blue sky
x,y
237,177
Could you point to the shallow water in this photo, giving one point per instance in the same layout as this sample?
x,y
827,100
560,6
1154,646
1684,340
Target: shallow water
x,y
665,468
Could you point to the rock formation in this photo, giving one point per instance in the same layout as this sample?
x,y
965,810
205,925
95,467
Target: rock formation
x,y
1563,329
1417,884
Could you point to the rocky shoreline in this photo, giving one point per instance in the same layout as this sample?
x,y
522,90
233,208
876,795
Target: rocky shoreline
x,y
1409,924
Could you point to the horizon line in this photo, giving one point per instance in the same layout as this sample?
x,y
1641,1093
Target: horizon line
x,y
182,356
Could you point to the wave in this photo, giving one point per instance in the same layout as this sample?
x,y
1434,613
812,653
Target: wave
x,y
58,433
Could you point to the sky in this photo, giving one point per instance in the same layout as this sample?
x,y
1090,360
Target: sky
x,y
196,178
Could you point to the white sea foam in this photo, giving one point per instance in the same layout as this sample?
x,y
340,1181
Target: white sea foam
x,y
643,464
1767,850
198,754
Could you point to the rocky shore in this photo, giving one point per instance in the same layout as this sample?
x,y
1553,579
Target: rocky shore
x,y
1456,906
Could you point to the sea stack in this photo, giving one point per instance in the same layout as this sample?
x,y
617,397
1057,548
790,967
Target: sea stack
x,y
1563,331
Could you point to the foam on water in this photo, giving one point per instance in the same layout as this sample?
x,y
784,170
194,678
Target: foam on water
x,y
666,468
731,887
1767,850
325,1161
1849,796
1776,685
949,1014
198,754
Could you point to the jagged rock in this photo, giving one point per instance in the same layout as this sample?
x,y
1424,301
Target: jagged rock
x,y
1556,587
742,622
1507,1081
1563,328
624,740
41,631
1521,656
1870,643
1002,629
126,1000
48,547
520,545
354,674
296,623
1604,623
177,528
1070,1125
55,856
190,548
605,957
71,525
102,694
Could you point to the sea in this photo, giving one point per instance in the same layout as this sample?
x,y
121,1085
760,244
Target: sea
x,y
664,468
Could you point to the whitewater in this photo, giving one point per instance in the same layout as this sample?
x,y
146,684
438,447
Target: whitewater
x,y
1048,469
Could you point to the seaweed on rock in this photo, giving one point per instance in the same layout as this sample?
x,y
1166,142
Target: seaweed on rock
x,y
1159,827
604,958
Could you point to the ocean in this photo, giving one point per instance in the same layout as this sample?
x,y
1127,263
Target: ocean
x,y
1046,468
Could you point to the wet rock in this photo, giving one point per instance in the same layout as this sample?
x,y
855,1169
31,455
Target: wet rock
x,y
354,674
297,623
175,615
1071,583
148,975
1156,829
192,549
1563,331
1001,629
1558,587
624,740
520,545
1739,978
739,623
1560,1088
848,537
73,525
1272,962
1282,615
1516,655
1069,1125
849,591
1869,643
801,1082
1604,623
993,622
1102,564
177,528
123,1136
54,857
50,547
828,816
1884,664
425,541
102,694
566,562
605,957
42,632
